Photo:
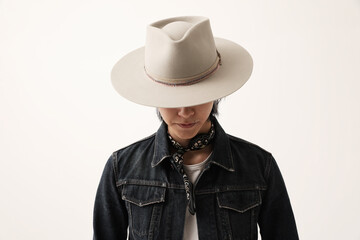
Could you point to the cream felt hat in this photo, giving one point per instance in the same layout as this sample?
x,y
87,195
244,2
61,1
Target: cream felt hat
x,y
181,65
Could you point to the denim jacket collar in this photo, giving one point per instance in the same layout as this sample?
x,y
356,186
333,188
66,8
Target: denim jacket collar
x,y
161,148
221,153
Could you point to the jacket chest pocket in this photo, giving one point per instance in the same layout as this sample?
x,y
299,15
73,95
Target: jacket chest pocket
x,y
238,212
144,204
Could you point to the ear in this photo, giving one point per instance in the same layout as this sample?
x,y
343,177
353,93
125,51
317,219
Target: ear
x,y
159,114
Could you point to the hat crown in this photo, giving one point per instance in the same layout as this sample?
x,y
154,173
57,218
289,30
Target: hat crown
x,y
176,30
179,48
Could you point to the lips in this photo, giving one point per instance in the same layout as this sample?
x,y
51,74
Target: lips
x,y
186,125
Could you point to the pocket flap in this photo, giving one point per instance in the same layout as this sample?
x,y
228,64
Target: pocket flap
x,y
239,201
142,195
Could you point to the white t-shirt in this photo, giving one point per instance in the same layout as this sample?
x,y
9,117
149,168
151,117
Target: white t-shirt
x,y
190,228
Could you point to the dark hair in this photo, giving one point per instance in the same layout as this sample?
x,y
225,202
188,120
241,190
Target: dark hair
x,y
214,111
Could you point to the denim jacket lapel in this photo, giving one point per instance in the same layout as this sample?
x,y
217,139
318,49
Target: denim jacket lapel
x,y
222,151
161,148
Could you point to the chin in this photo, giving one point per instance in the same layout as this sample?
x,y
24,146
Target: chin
x,y
186,136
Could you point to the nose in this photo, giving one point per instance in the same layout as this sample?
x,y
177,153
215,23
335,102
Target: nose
x,y
186,112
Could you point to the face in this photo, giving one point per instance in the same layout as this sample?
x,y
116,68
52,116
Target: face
x,y
186,122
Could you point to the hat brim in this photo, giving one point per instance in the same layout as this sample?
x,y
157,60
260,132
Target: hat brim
x,y
130,80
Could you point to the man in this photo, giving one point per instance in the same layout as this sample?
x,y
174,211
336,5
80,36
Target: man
x,y
190,180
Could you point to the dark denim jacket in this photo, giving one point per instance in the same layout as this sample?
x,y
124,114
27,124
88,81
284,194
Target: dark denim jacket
x,y
240,187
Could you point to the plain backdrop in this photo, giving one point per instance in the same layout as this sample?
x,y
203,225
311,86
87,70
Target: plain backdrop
x,y
60,119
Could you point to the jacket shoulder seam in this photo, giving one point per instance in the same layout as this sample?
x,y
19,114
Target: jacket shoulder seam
x,y
268,158
240,140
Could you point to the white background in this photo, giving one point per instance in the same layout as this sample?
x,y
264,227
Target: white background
x,y
60,118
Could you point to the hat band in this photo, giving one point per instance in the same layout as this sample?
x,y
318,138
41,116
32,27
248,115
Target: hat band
x,y
188,80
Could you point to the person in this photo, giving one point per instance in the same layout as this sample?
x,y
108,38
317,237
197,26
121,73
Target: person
x,y
189,180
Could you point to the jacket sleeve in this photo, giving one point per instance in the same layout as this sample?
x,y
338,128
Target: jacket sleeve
x,y
110,216
276,220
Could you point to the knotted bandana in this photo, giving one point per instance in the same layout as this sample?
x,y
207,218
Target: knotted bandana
x,y
196,143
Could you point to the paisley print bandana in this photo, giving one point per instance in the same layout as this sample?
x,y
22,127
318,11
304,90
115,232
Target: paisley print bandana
x,y
198,142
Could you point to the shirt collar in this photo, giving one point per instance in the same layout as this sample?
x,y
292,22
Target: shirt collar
x,y
221,153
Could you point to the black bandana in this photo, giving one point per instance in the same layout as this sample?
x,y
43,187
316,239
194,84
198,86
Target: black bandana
x,y
198,142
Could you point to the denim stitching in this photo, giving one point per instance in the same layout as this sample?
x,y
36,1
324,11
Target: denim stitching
x,y
253,205
229,189
141,204
120,183
141,182
225,221
155,220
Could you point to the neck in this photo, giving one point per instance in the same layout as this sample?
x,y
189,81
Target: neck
x,y
194,157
